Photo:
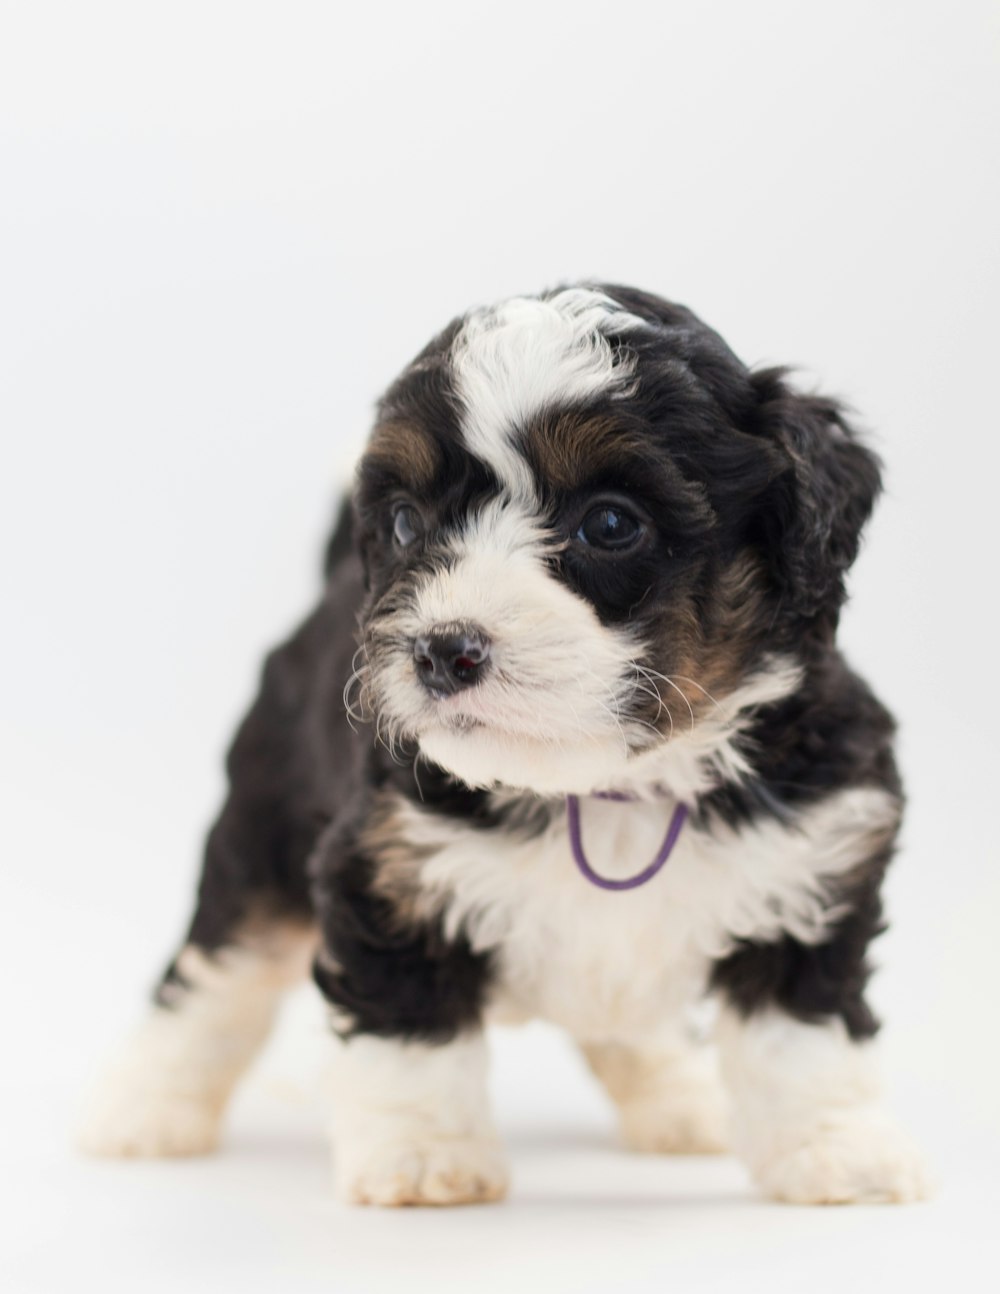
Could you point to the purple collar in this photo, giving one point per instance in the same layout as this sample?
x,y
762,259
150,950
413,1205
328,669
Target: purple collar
x,y
630,882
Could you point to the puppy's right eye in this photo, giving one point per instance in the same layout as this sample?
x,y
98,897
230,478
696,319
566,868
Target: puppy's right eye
x,y
407,525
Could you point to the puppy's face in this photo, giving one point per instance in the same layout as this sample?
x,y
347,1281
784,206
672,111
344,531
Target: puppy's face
x,y
574,514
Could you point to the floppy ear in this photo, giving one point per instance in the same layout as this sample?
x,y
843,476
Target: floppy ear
x,y
814,511
349,539
342,540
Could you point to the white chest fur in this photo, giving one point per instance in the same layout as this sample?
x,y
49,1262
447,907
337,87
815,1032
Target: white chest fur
x,y
626,964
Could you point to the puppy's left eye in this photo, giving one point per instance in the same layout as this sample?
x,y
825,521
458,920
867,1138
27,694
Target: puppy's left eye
x,y
609,526
407,524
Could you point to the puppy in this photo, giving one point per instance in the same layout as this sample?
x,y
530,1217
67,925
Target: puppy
x,y
568,736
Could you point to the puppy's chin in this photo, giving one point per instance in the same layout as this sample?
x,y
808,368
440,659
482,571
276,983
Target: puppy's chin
x,y
481,756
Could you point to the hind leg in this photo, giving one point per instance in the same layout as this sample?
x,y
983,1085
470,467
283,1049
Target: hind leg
x,y
251,938
669,1096
166,1092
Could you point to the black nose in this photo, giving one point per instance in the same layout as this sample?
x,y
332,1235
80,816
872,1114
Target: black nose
x,y
447,661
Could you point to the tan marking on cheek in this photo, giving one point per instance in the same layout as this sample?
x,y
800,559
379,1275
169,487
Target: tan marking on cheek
x,y
708,669
409,450
739,625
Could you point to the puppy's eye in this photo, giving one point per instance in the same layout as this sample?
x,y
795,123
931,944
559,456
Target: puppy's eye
x,y
407,525
610,526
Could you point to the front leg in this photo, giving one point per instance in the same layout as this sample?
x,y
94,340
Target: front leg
x,y
411,1123
796,1044
411,1120
807,1115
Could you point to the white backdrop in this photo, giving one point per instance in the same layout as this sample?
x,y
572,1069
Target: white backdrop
x,y
223,228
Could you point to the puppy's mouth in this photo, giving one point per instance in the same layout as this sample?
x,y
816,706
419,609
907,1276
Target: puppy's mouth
x,y
467,711
517,739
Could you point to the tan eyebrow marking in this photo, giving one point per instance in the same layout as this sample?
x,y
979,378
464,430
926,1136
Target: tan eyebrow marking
x,y
567,449
407,449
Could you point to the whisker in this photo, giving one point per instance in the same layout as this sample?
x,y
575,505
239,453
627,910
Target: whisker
x,y
615,714
652,673
705,692
650,688
643,672
355,713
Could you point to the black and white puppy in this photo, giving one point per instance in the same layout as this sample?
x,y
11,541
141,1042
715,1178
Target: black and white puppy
x,y
592,573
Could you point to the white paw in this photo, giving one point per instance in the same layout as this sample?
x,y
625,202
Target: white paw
x,y
126,1122
850,1159
681,1123
423,1171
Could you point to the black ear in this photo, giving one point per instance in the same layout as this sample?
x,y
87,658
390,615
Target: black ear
x,y
349,540
816,508
343,538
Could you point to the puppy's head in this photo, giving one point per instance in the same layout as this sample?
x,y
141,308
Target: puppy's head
x,y
587,531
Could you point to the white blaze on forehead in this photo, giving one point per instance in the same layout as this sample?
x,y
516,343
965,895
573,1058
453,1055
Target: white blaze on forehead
x,y
517,359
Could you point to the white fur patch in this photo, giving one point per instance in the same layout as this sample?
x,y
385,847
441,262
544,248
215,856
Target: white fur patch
x,y
412,1123
517,359
622,966
806,1114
